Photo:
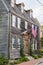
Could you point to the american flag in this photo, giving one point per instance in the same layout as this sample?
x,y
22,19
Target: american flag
x,y
34,30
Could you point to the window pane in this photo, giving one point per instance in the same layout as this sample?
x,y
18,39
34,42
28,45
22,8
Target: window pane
x,y
25,24
35,44
13,21
19,20
22,9
18,42
13,42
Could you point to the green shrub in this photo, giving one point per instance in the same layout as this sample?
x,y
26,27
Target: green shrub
x,y
22,52
22,59
35,56
41,52
42,41
3,61
17,61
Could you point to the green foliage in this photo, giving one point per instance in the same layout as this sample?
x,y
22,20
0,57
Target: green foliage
x,y
22,59
42,41
41,52
3,61
35,56
22,53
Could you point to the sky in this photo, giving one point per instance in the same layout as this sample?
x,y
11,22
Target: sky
x,y
36,7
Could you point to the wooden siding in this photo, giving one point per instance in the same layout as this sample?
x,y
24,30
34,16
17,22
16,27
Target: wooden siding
x,y
4,34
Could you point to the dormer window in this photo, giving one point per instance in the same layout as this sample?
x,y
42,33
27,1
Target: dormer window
x,y
12,3
13,20
19,21
31,14
25,24
22,9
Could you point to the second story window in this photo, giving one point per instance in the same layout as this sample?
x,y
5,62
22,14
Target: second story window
x,y
13,42
13,20
19,21
25,24
12,3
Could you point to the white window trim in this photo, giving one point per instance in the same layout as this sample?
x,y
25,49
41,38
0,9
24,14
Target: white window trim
x,y
13,20
26,24
19,22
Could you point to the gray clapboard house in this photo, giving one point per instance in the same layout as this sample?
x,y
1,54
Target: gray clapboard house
x,y
13,27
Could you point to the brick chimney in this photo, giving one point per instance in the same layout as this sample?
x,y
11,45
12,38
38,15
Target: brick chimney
x,y
29,13
20,6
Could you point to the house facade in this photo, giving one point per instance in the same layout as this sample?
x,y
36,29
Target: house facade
x,y
16,28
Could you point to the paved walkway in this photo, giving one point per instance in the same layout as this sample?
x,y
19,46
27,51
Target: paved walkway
x,y
32,62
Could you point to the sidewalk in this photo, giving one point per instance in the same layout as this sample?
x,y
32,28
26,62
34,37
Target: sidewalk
x,y
32,62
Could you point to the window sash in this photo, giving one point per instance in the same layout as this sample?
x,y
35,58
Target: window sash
x,y
22,9
13,21
19,21
25,24
18,40
13,43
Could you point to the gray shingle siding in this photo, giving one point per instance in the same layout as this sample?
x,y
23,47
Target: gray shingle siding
x,y
4,34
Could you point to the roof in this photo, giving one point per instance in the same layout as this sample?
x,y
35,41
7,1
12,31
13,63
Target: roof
x,y
29,10
36,21
20,4
2,6
16,12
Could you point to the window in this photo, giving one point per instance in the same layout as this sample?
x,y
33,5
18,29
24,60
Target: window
x,y
22,9
25,24
35,44
31,14
13,43
18,42
13,21
19,20
32,44
12,3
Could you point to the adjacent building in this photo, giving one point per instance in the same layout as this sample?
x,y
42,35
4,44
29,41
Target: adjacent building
x,y
17,26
